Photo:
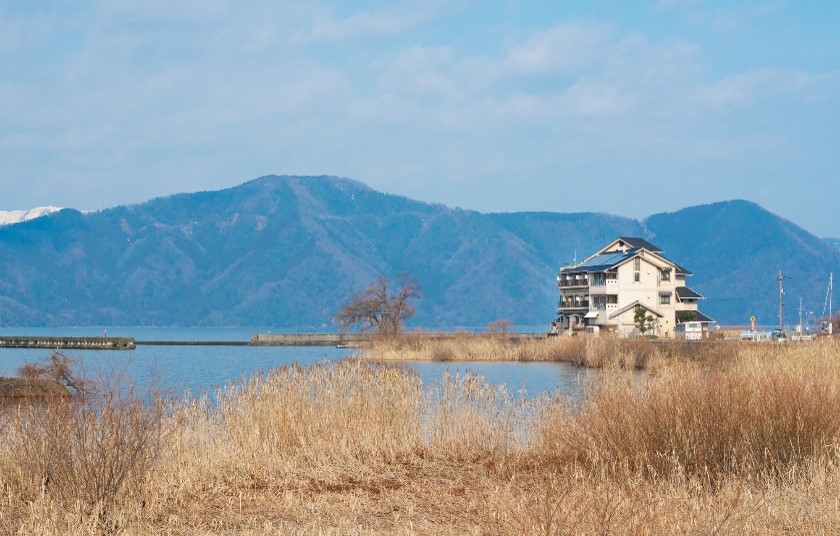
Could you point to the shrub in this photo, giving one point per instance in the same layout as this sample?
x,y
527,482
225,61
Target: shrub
x,y
93,451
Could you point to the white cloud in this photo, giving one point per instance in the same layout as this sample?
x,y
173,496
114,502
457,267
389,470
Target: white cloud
x,y
564,48
145,11
748,90
148,98
382,22
594,99
422,71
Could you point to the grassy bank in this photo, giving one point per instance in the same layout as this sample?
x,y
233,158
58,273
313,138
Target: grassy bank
x,y
596,352
749,444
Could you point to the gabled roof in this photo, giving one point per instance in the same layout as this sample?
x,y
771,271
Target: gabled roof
x,y
620,250
633,305
639,243
686,293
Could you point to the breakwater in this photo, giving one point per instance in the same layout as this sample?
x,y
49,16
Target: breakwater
x,y
193,343
355,339
257,339
309,339
76,343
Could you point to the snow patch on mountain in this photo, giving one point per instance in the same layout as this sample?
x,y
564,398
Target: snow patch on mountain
x,y
10,217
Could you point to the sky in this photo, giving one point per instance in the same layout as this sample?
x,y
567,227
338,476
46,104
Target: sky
x,y
627,108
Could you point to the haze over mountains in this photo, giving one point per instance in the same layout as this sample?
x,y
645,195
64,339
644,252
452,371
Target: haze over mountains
x,y
287,252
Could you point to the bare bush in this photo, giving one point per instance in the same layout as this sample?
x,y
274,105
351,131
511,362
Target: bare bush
x,y
498,327
94,452
57,367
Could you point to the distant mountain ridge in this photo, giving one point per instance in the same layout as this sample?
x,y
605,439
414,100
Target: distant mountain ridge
x,y
10,217
289,251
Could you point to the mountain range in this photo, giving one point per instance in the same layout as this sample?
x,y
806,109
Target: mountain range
x,y
287,252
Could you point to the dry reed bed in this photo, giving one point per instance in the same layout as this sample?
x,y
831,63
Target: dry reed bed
x,y
595,352
695,445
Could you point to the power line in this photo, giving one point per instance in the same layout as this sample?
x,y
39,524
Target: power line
x,y
738,298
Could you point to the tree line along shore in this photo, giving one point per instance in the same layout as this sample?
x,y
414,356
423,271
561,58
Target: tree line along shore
x,y
706,439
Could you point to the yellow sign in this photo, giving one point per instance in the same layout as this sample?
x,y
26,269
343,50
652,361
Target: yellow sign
x,y
752,319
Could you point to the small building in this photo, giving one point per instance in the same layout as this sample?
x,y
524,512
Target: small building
x,y
627,275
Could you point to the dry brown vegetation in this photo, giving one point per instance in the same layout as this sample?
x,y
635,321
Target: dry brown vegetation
x,y
596,352
746,442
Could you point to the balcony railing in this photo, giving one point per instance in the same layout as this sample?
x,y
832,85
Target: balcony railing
x,y
573,305
564,282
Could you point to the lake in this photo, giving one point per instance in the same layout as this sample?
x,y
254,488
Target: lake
x,y
204,368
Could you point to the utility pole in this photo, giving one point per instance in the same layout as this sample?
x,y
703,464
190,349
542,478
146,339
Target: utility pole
x,y
781,294
801,310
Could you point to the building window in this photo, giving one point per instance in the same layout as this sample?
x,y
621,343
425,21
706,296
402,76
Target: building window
x,y
637,267
665,298
666,274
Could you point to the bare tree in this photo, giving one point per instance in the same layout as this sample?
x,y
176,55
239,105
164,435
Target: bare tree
x,y
376,308
58,367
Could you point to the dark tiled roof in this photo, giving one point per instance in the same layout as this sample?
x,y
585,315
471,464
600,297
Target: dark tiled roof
x,y
600,263
681,270
638,243
682,316
686,293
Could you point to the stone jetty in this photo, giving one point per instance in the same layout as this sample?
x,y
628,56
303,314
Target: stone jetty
x,y
76,343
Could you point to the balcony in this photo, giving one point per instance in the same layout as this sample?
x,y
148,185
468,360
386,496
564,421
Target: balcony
x,y
604,286
565,307
572,281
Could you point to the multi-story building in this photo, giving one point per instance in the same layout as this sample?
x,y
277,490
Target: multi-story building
x,y
608,288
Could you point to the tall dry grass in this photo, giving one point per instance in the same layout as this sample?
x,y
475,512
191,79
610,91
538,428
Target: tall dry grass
x,y
419,346
606,351
755,416
700,443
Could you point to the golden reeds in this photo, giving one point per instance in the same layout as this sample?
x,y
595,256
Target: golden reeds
x,y
741,439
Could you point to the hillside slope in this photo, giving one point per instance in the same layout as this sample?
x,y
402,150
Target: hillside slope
x,y
737,249
288,252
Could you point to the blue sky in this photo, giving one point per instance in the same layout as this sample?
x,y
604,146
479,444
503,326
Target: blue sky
x,y
629,108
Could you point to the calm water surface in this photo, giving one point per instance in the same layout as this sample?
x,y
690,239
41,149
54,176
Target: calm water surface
x,y
204,368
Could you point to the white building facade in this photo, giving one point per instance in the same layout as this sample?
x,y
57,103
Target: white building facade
x,y
605,291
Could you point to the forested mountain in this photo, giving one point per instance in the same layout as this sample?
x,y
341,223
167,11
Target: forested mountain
x,y
289,251
737,250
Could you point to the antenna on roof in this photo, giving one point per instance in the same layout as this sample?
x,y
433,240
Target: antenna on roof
x,y
575,260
